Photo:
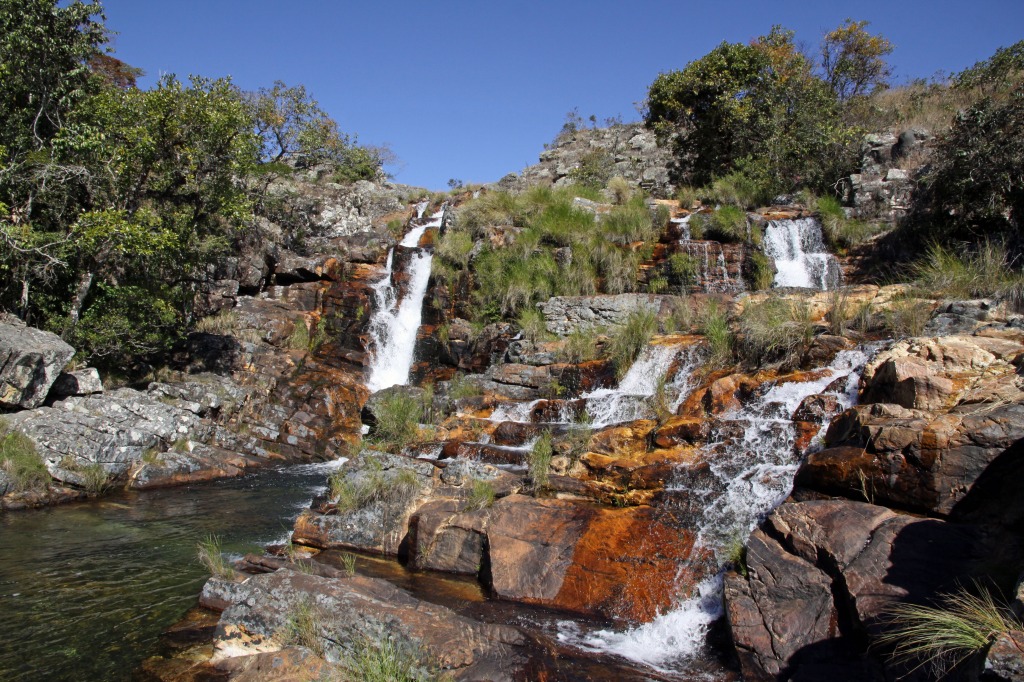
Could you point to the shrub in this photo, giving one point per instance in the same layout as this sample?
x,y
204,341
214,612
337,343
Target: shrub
x,y
481,495
714,325
539,461
944,636
210,555
20,461
630,338
775,329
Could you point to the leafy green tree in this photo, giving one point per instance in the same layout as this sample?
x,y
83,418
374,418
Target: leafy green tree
x,y
853,60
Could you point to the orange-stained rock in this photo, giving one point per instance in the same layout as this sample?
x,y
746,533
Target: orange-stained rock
x,y
624,441
621,563
682,430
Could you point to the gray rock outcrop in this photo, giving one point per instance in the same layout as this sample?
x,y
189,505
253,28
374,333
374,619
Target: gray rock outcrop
x,y
566,314
30,361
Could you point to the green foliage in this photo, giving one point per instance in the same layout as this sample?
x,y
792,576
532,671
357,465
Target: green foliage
x,y
20,461
594,169
727,224
839,231
619,190
460,387
306,627
223,322
355,491
387,657
943,636
397,414
210,555
1000,72
93,478
760,271
963,273
680,318
756,107
539,461
630,338
630,222
684,269
481,495
775,329
532,324
127,322
714,325
975,186
738,188
907,316
854,60
579,346
455,247
348,561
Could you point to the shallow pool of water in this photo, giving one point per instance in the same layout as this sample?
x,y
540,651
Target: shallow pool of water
x,y
86,589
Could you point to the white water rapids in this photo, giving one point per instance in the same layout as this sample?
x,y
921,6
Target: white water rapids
x,y
395,322
801,259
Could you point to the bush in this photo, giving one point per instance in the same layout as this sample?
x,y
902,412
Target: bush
x,y
20,461
630,338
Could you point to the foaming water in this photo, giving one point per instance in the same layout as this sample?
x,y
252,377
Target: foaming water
x,y
395,322
86,589
747,480
801,259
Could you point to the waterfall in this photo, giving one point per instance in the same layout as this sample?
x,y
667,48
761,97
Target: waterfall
x,y
629,401
395,322
801,260
747,481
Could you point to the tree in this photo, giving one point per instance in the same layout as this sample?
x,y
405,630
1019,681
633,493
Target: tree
x,y
853,60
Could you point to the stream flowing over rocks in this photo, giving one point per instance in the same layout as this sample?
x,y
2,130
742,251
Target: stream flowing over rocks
x,y
503,503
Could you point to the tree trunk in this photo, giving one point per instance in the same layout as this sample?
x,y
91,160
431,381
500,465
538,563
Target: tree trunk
x,y
84,283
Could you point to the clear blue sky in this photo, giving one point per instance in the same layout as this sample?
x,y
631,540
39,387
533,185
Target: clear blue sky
x,y
473,90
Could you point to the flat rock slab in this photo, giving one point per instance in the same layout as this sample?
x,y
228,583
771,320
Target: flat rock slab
x,y
566,314
30,361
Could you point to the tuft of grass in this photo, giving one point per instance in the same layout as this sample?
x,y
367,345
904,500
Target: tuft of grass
x,y
94,477
533,325
736,554
760,271
398,415
838,312
460,387
539,461
961,625
348,561
985,272
222,323
630,222
907,316
727,224
736,189
579,346
20,461
619,190
306,627
354,492
210,555
481,495
714,325
387,657
680,318
687,197
630,338
775,329
684,269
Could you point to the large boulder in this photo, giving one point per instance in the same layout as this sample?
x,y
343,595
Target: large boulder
x,y
565,314
30,361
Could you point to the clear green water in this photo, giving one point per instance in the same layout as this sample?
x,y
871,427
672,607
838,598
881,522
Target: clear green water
x,y
86,589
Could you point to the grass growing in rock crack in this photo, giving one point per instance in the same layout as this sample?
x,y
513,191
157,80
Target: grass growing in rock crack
x,y
907,316
539,461
944,636
306,626
775,329
210,555
714,325
481,495
20,461
579,346
387,658
398,415
629,339
353,492
348,561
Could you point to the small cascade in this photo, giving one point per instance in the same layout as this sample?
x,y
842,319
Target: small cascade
x,y
800,256
395,322
630,400
747,480
713,271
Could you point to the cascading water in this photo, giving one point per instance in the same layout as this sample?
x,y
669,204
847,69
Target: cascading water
x,y
631,398
747,480
801,259
394,325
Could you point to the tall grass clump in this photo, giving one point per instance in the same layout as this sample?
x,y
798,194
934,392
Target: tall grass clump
x,y
579,346
714,325
760,271
481,495
775,329
532,324
684,269
539,461
20,462
208,550
398,415
907,316
987,271
942,637
727,224
306,627
630,338
387,657
454,248
839,231
619,190
352,492
737,189
630,222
